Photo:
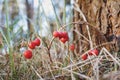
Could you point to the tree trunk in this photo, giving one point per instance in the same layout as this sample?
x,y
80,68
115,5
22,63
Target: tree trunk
x,y
30,12
104,16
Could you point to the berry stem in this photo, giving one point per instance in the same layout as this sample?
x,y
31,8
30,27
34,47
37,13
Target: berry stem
x,y
51,43
50,56
49,47
78,22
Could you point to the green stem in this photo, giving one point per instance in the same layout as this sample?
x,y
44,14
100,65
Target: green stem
x,y
10,51
11,61
7,24
64,13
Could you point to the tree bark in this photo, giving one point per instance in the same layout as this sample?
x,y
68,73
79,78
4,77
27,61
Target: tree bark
x,y
104,16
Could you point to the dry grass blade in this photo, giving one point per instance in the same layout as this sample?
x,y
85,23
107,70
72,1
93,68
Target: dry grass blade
x,y
72,76
79,74
51,71
37,73
114,59
81,35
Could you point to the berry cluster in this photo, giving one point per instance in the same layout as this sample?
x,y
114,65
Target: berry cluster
x,y
31,45
63,36
90,53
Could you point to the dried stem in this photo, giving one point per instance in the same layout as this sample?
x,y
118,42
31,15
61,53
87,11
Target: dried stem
x,y
49,47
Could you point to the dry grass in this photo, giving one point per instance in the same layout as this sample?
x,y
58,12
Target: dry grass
x,y
64,66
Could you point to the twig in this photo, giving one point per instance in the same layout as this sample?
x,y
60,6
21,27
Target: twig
x,y
49,47
111,56
51,43
77,22
84,76
37,73
81,35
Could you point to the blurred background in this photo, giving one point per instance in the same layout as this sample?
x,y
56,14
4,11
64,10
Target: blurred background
x,y
36,15
28,17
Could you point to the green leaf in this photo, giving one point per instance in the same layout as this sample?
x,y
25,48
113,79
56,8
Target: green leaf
x,y
5,38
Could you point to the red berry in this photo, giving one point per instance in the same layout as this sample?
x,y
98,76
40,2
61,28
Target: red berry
x,y
60,35
72,47
56,34
37,41
64,34
90,53
28,54
63,40
31,45
84,56
67,38
95,52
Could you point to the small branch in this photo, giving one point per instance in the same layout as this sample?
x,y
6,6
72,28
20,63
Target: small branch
x,y
49,47
51,43
78,22
50,56
114,59
81,35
